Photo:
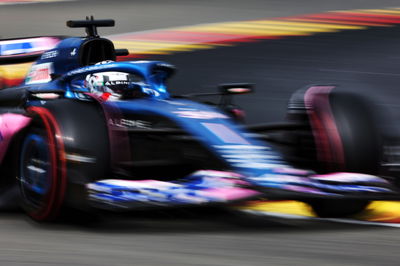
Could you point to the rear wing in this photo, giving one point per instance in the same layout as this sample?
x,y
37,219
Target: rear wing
x,y
16,54
24,50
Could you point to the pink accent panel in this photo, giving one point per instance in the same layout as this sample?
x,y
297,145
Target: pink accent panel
x,y
304,189
292,171
349,178
10,124
237,182
228,194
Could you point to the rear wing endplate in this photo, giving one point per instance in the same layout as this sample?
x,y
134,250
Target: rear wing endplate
x,y
24,50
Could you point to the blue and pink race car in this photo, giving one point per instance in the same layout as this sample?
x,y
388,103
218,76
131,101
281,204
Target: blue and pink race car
x,y
86,132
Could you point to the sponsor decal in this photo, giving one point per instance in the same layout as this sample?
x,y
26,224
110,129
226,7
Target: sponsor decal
x,y
73,52
116,82
90,68
251,156
127,123
40,73
225,134
196,114
49,54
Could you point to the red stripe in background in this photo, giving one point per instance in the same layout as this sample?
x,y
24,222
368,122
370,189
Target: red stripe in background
x,y
183,36
350,17
12,82
367,15
214,38
336,22
132,56
394,221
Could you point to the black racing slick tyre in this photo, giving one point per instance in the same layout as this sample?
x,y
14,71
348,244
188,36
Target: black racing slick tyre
x,y
344,129
42,168
346,138
65,147
337,208
346,133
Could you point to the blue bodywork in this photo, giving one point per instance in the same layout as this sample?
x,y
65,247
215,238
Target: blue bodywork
x,y
215,129
255,160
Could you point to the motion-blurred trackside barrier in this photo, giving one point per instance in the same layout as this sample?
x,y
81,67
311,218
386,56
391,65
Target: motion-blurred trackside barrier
x,y
213,35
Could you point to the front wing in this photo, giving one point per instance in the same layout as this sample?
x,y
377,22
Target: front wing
x,y
219,187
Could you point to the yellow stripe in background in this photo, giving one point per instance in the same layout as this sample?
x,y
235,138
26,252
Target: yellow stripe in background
x,y
377,211
15,71
159,47
283,27
307,25
251,29
227,29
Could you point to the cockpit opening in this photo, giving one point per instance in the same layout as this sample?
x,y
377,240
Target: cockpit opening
x,y
96,50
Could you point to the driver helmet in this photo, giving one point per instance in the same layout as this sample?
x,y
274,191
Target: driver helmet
x,y
115,85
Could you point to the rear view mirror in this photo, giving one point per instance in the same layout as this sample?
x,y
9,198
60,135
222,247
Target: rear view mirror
x,y
236,88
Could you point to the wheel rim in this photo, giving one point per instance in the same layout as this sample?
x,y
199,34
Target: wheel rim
x,y
35,171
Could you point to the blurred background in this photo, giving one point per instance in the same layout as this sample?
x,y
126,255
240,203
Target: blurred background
x,y
280,46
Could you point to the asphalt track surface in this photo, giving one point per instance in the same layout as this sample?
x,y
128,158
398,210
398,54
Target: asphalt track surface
x,y
366,61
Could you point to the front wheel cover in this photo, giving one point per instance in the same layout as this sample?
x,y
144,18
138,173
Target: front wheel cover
x,y
42,167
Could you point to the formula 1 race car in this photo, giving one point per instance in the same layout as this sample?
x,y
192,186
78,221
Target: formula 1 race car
x,y
86,132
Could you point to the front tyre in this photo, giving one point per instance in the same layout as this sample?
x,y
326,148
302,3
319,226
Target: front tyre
x,y
346,137
327,208
42,176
